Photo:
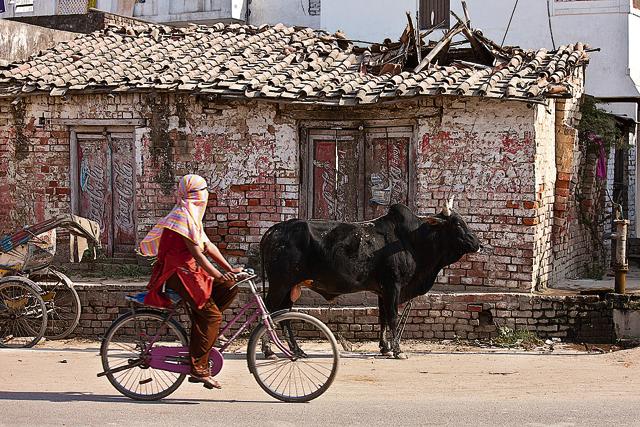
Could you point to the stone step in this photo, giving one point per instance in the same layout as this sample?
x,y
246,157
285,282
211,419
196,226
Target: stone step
x,y
118,260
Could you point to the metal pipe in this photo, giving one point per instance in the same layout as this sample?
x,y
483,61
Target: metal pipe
x,y
621,266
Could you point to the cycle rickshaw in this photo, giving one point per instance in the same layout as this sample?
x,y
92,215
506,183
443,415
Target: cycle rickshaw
x,y
36,300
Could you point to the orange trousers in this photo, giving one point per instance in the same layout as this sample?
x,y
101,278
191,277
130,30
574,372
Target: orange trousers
x,y
205,321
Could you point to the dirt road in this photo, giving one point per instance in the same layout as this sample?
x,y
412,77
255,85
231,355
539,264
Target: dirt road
x,y
438,385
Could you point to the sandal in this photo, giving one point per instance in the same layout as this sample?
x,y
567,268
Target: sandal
x,y
207,382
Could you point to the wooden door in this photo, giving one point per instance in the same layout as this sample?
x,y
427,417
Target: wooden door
x,y
123,182
386,168
333,177
94,178
106,187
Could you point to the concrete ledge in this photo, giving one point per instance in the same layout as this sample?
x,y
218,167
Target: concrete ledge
x,y
577,318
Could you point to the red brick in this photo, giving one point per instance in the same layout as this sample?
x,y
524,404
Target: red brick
x,y
240,188
254,202
560,206
60,134
530,221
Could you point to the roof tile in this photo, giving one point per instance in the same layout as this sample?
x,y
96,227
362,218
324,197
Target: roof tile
x,y
279,62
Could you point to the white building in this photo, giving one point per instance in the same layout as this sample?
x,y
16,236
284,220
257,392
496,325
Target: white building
x,y
174,12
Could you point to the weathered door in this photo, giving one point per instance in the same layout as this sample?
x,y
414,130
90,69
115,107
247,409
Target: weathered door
x,y
355,174
334,174
123,174
386,168
106,187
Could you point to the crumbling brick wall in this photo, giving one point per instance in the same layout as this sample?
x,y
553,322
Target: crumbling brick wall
x,y
574,243
578,318
497,157
34,164
483,152
246,151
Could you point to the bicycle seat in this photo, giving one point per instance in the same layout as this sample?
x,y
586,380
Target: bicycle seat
x,y
139,297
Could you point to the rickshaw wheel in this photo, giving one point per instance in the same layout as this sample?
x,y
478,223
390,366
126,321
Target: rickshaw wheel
x,y
62,302
23,314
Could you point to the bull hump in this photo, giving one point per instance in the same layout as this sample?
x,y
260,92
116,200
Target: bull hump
x,y
401,211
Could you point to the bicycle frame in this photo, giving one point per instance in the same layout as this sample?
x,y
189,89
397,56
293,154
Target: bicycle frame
x,y
260,310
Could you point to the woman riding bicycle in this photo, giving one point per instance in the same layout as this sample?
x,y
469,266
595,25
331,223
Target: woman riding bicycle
x,y
181,246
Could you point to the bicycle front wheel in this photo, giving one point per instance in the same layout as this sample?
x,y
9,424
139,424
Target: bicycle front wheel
x,y
125,356
23,314
298,361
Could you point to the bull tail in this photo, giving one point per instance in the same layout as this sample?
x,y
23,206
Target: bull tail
x,y
262,264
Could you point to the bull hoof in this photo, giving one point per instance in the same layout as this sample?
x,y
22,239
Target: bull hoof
x,y
401,356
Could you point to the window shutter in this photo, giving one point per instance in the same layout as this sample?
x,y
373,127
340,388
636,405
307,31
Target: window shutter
x,y
435,14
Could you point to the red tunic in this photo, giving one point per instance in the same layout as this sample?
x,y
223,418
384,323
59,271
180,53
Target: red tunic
x,y
174,258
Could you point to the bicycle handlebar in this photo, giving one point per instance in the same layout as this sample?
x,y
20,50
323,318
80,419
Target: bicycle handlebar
x,y
245,275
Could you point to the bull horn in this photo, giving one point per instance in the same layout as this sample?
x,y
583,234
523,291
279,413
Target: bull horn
x,y
448,207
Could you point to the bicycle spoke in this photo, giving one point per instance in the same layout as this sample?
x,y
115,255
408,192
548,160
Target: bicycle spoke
x,y
313,366
142,381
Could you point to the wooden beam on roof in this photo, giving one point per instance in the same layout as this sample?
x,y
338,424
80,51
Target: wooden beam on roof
x,y
444,42
466,13
479,48
416,40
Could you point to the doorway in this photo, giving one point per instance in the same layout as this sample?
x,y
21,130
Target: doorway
x,y
105,187
356,174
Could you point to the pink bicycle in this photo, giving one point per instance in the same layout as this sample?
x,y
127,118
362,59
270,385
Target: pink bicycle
x,y
293,356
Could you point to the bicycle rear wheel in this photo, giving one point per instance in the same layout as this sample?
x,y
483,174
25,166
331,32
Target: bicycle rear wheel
x,y
62,301
23,314
125,348
305,375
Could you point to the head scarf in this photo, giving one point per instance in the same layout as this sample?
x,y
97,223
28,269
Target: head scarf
x,y
185,218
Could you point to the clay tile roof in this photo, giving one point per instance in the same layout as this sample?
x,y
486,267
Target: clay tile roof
x,y
278,62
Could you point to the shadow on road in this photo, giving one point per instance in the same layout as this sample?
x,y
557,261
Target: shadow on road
x,y
371,355
52,350
52,396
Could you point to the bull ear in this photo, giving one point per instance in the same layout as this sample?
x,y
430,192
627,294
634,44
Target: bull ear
x,y
432,220
446,211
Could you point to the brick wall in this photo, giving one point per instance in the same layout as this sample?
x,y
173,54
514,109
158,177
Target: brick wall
x,y
483,152
433,316
546,171
496,156
631,189
246,152
34,165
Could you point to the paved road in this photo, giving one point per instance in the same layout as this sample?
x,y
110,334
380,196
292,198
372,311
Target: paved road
x,y
49,386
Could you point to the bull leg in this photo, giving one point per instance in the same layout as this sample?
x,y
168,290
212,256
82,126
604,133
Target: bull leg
x,y
275,301
385,349
291,340
390,303
281,301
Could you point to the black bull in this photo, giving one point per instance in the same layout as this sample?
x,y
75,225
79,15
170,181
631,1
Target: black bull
x,y
397,256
